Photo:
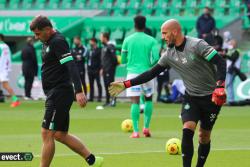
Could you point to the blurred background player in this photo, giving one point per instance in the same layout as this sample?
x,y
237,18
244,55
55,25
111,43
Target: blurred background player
x,y
147,31
203,72
5,67
140,53
94,67
79,54
58,73
29,66
108,65
177,92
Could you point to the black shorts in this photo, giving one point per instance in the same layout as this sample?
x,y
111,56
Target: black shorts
x,y
201,109
57,107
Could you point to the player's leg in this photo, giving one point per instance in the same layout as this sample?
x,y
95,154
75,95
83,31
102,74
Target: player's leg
x,y
82,75
15,100
187,144
148,90
106,85
48,147
142,103
190,118
99,86
75,144
28,85
134,93
209,115
47,133
204,146
59,123
135,115
7,87
112,79
148,110
91,85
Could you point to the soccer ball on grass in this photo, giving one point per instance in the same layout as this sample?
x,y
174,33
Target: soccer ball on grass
x,y
173,146
127,125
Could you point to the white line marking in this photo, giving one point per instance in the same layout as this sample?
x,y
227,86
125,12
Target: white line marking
x,y
144,152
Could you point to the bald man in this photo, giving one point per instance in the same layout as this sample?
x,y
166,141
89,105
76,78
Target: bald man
x,y
203,72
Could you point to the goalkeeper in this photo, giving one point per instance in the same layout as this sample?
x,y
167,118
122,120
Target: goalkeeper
x,y
203,72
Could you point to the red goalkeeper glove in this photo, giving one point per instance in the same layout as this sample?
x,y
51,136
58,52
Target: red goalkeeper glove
x,y
219,96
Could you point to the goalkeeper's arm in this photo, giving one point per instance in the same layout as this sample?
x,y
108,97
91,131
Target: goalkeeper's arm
x,y
145,77
221,68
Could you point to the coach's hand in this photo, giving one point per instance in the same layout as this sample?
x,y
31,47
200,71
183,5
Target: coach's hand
x,y
219,96
116,88
81,99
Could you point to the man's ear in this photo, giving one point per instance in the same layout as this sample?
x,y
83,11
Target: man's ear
x,y
175,32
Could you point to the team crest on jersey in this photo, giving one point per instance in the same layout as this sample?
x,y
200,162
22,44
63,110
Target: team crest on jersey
x,y
184,60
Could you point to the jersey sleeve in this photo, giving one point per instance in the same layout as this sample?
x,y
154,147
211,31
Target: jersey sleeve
x,y
62,51
124,52
205,50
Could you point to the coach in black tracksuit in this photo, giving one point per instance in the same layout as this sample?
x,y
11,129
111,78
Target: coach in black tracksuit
x,y
58,73
79,54
94,67
29,66
109,63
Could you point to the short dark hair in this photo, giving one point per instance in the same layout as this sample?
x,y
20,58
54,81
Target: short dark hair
x,y
106,35
140,22
94,40
77,37
40,22
1,37
208,8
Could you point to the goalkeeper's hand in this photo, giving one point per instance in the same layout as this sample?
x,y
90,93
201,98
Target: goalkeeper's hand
x,y
219,96
116,88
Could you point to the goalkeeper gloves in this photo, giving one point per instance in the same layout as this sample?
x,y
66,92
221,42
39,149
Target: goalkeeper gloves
x,y
219,95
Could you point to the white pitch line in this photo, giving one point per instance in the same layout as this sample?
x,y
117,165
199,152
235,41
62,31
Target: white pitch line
x,y
144,152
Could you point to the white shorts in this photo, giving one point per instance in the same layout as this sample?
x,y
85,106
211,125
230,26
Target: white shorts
x,y
147,88
4,76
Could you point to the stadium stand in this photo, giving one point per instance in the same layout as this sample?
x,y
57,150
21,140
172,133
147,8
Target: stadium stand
x,y
88,18
116,15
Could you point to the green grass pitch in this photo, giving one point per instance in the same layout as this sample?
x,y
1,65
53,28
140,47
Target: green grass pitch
x,y
100,130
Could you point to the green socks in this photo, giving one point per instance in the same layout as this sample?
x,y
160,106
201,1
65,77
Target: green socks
x,y
147,113
135,115
14,98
